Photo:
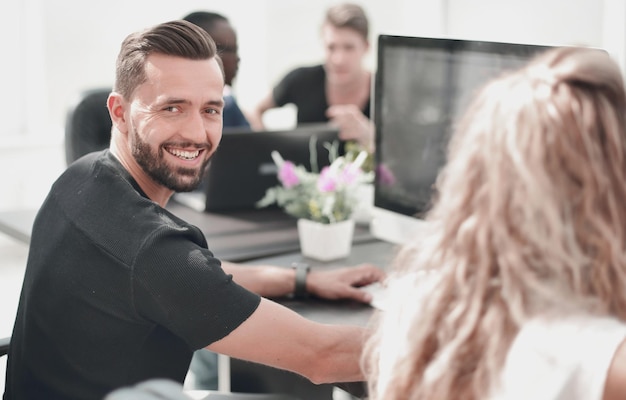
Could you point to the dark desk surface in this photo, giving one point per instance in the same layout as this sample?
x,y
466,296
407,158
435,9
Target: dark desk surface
x,y
235,236
246,235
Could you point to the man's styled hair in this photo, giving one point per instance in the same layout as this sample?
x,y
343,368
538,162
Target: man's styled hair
x,y
175,38
348,15
529,221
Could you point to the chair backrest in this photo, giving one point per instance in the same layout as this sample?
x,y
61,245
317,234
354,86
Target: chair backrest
x,y
4,346
87,124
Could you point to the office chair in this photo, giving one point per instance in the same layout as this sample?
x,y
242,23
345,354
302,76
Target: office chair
x,y
87,124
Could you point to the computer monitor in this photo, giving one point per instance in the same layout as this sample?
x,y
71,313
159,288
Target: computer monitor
x,y
421,87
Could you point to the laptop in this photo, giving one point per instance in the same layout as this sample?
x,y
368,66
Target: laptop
x,y
242,168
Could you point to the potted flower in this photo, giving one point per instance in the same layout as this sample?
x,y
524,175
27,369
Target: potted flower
x,y
322,201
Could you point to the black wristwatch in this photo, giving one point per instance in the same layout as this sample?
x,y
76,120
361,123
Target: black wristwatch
x,y
302,270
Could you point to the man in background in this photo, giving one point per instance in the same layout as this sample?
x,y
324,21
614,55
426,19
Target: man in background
x,y
338,90
225,39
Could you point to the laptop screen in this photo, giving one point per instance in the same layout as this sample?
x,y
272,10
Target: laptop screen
x,y
242,169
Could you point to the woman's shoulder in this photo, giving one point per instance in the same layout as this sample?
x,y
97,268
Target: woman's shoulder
x,y
561,358
560,334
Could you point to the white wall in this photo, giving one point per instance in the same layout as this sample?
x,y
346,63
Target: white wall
x,y
54,49
81,38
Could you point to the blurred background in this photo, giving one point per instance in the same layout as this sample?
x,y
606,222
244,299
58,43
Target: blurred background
x,y
52,50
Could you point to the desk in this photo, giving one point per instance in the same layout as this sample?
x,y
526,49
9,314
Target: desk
x,y
235,236
250,377
335,312
246,235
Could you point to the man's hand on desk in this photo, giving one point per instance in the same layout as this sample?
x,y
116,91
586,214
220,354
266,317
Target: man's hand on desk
x,y
344,283
340,283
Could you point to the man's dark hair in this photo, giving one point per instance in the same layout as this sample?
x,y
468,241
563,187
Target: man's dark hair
x,y
205,19
174,38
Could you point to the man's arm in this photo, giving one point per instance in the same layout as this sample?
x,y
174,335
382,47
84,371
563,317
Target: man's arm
x,y
276,336
272,281
256,116
352,124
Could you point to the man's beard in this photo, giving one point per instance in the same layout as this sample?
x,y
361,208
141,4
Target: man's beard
x,y
154,164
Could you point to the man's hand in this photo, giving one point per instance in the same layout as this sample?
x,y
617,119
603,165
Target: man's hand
x,y
352,124
344,283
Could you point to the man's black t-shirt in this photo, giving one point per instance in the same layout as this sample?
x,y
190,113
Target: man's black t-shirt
x,y
305,87
117,290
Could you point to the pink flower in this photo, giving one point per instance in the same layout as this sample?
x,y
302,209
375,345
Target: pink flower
x,y
287,175
327,181
385,175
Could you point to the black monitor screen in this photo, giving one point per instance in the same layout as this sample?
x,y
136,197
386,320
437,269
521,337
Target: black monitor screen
x,y
422,85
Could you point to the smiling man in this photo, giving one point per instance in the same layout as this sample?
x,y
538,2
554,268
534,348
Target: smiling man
x,y
118,290
178,111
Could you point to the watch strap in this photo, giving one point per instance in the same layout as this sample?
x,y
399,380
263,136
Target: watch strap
x,y
302,271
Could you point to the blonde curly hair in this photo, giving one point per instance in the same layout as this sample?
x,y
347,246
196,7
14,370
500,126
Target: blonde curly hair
x,y
529,220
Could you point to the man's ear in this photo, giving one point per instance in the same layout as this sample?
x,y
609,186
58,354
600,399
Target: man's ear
x,y
117,110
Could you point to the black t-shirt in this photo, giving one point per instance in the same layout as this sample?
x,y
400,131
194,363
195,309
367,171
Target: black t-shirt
x,y
117,290
305,87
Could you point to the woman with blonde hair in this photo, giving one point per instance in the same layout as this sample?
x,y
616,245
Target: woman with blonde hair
x,y
517,289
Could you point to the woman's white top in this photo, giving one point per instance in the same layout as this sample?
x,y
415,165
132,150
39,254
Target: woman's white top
x,y
561,359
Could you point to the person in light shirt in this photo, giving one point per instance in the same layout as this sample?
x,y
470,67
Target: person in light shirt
x,y
516,288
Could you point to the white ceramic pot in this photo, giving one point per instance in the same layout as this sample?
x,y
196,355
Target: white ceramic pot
x,y
325,242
